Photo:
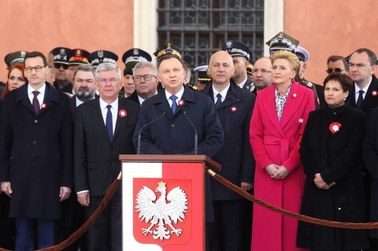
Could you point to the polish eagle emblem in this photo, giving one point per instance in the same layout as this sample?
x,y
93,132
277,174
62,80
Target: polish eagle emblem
x,y
162,213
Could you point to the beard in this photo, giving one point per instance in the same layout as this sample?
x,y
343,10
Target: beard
x,y
84,94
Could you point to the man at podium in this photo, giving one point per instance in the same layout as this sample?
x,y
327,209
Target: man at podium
x,y
179,121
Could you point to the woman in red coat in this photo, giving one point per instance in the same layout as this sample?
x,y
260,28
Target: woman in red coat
x,y
277,124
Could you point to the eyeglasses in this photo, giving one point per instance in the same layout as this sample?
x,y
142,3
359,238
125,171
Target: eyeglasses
x,y
37,68
108,80
58,65
147,77
263,71
330,70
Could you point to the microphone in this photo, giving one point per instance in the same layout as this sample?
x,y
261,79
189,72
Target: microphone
x,y
195,132
142,128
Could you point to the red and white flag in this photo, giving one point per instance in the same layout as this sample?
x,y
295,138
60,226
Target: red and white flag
x,y
161,209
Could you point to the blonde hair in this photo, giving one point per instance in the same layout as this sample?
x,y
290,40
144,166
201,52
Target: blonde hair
x,y
290,57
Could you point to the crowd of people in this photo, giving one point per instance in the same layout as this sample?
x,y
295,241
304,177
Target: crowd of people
x,y
304,147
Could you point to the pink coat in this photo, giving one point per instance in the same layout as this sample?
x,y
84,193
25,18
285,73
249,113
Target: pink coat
x,y
276,141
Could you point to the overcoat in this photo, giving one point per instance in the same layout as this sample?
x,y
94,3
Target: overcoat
x,y
36,152
331,146
235,156
277,141
174,133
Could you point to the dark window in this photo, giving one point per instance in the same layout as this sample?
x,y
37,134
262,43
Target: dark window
x,y
200,27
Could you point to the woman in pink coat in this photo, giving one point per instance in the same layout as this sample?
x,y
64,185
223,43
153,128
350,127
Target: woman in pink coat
x,y
279,118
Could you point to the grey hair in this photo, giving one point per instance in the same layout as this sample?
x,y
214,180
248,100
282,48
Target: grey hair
x,y
84,68
150,65
107,67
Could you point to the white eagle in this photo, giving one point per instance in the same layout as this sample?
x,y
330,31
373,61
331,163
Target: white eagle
x,y
167,210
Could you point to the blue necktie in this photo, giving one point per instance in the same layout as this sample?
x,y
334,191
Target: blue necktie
x,y
174,104
109,122
219,100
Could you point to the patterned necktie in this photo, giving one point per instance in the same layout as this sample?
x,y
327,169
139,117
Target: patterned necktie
x,y
219,100
360,98
109,122
36,105
174,104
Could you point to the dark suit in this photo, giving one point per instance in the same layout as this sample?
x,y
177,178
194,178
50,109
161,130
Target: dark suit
x,y
97,164
318,92
250,86
36,153
371,97
237,165
134,97
337,157
369,103
370,155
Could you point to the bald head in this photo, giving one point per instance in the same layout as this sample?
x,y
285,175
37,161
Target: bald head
x,y
221,68
262,73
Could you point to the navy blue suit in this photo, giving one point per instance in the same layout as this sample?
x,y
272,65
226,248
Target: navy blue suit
x,y
173,134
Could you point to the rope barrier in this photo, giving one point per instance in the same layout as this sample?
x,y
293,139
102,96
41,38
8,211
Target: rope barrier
x,y
109,194
305,218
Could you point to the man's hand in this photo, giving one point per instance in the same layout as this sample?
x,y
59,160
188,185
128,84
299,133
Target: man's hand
x,y
83,199
246,186
64,193
6,188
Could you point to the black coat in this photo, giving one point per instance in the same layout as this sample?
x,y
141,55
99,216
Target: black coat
x,y
36,152
337,157
370,155
96,159
235,156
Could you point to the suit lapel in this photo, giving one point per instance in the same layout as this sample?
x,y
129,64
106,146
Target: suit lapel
x,y
294,100
371,93
50,100
121,117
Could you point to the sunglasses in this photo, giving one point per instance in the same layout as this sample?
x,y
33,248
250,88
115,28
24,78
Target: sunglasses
x,y
330,70
58,65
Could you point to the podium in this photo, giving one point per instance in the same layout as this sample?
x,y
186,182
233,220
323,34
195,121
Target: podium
x,y
164,202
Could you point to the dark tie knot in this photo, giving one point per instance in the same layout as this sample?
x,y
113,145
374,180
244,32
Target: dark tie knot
x,y
35,93
109,107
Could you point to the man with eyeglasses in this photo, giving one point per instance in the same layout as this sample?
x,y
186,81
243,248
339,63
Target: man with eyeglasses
x,y
145,81
262,75
131,57
336,63
36,155
104,127
60,65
